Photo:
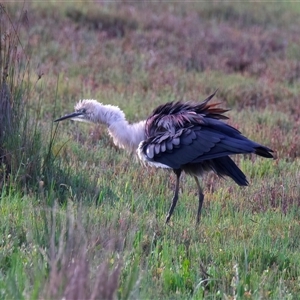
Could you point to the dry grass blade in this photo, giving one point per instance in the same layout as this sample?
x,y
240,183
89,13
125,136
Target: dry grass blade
x,y
6,126
72,276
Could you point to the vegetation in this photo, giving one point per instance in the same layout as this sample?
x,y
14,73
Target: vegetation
x,y
80,219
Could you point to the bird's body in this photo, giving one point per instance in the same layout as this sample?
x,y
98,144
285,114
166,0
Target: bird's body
x,y
179,136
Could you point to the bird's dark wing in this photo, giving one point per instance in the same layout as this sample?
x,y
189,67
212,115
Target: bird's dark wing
x,y
196,143
175,115
185,133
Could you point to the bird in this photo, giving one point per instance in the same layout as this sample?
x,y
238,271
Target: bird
x,y
182,136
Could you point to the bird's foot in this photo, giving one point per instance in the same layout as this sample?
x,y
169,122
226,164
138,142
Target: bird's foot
x,y
168,217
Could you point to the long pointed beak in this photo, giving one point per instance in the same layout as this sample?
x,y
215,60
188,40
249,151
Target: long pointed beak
x,y
72,115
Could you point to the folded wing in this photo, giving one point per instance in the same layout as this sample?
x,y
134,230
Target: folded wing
x,y
180,134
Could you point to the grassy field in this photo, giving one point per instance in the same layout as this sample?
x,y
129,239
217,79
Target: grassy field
x,y
81,219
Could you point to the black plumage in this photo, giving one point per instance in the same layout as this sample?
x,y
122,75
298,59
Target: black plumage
x,y
193,138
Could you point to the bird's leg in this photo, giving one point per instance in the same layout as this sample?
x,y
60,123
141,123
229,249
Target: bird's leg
x,y
175,198
201,198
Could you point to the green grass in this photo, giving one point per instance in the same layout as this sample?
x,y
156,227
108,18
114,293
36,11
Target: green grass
x,y
81,219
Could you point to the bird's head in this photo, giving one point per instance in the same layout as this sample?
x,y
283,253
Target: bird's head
x,y
85,111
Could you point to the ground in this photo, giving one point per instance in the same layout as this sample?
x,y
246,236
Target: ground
x,y
83,219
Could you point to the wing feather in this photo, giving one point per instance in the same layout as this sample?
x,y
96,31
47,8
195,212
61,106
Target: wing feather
x,y
196,144
179,134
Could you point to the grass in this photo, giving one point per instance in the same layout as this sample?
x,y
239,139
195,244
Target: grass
x,y
81,219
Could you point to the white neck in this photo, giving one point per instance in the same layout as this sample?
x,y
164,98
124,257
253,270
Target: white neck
x,y
107,114
125,135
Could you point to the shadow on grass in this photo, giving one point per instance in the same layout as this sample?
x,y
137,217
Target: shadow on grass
x,y
62,184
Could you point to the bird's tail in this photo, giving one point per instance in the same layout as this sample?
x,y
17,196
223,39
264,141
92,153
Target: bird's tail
x,y
264,151
225,166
